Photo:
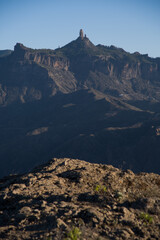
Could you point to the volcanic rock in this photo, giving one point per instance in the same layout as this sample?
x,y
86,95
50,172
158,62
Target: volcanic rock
x,y
51,203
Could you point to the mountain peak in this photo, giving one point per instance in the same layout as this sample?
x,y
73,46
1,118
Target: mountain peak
x,y
19,50
81,45
83,37
19,46
81,34
84,42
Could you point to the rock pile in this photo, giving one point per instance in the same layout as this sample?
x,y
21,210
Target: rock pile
x,y
92,201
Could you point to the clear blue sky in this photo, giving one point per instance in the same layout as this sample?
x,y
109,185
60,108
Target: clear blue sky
x,y
133,25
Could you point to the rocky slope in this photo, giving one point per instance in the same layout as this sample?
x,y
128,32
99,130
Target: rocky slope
x,y
82,125
92,201
27,75
82,101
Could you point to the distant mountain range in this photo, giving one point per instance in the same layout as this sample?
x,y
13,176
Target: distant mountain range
x,y
97,103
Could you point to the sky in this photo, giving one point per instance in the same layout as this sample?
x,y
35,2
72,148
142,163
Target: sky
x,y
133,25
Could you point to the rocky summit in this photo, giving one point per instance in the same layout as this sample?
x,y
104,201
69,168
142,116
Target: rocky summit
x,y
72,199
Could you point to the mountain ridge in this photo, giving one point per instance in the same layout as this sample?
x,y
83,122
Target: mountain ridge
x,y
82,101
110,70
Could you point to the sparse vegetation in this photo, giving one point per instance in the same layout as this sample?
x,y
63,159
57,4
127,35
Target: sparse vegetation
x,y
100,189
94,202
74,234
97,103
146,218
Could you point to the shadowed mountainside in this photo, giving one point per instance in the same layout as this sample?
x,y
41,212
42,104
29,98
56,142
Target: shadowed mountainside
x,y
83,101
80,125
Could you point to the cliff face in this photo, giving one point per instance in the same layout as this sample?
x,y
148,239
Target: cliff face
x,y
113,71
68,198
28,75
47,59
78,65
83,101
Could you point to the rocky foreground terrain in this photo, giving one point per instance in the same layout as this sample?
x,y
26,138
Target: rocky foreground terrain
x,y
72,199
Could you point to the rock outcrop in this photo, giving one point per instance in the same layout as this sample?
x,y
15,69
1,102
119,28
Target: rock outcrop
x,y
94,201
81,34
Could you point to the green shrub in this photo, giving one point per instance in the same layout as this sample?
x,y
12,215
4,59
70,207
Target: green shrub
x,y
146,217
74,234
97,188
101,189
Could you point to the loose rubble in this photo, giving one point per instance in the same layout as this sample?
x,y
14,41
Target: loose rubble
x,y
99,201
